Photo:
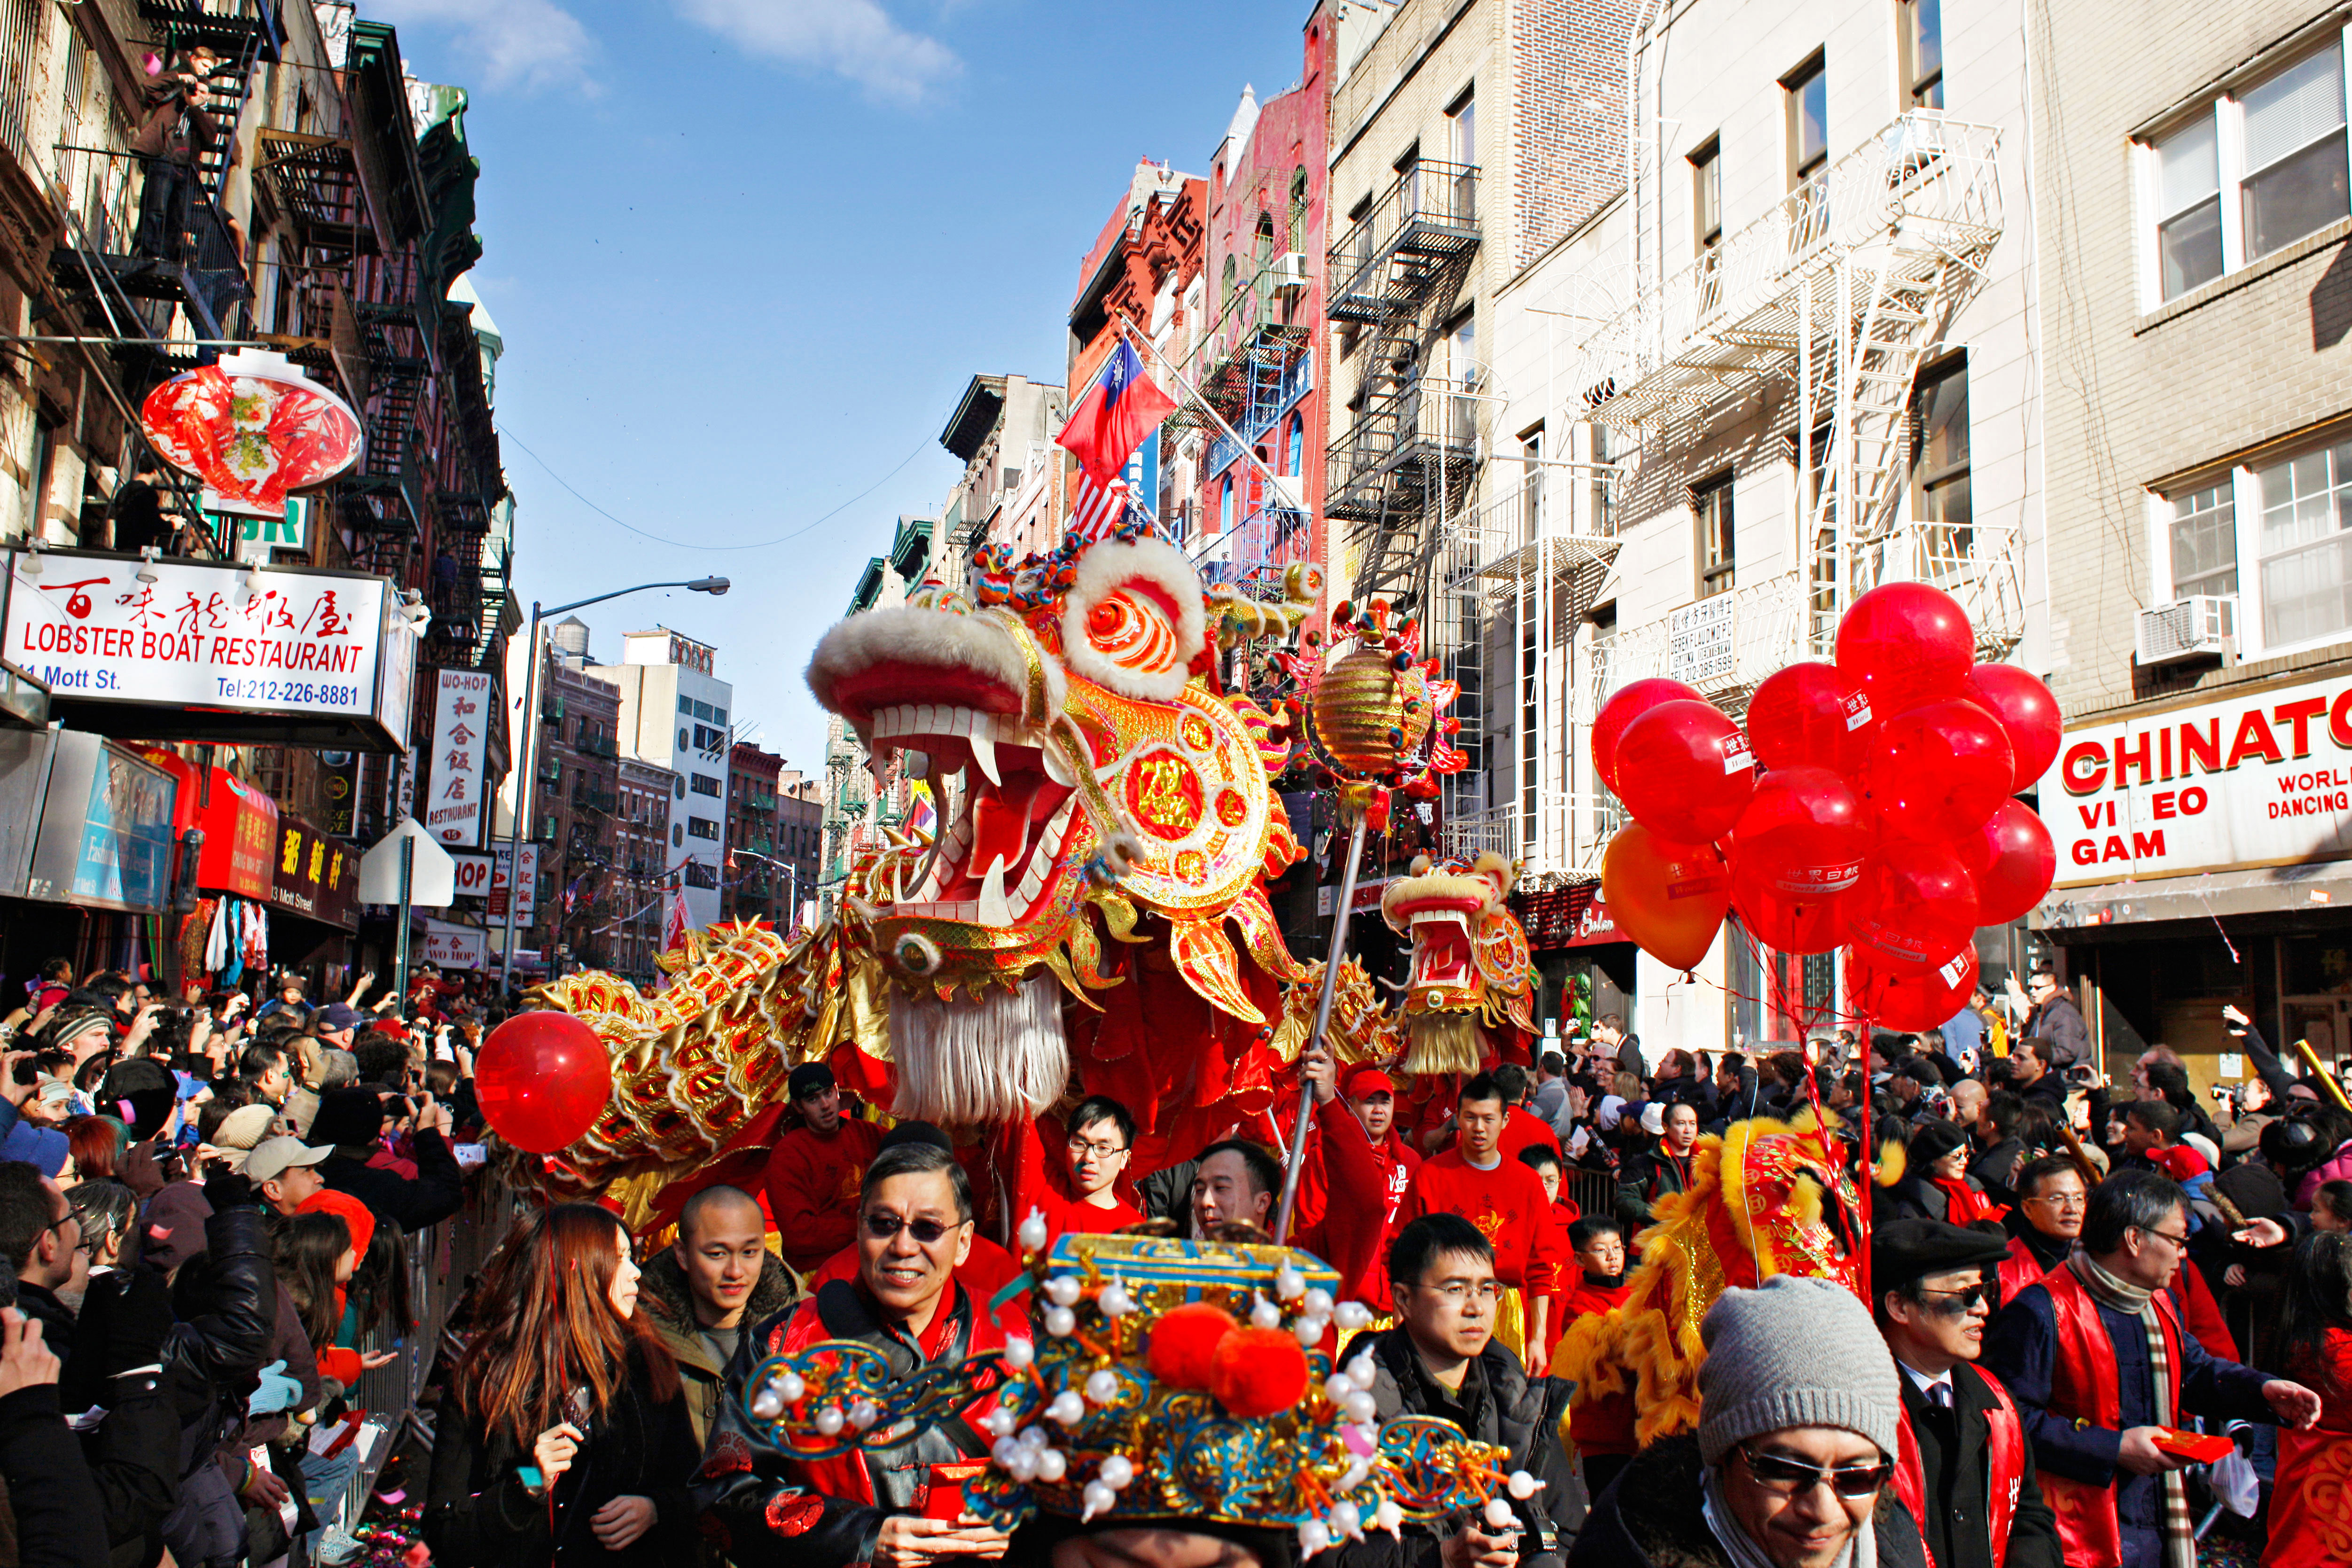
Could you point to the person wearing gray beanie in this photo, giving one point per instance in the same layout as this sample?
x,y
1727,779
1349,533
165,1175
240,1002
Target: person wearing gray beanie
x,y
1800,1421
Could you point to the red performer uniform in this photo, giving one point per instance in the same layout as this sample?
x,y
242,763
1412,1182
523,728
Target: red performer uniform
x,y
1523,1129
2019,1269
1508,1206
2309,1522
1045,1188
812,1185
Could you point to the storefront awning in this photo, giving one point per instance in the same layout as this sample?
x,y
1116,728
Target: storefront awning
x,y
2269,889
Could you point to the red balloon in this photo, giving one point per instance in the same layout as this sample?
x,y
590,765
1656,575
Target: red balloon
x,y
2027,712
1937,771
1785,923
2012,861
1803,834
1684,770
1915,906
542,1078
1907,644
1811,715
1925,999
1623,706
1669,897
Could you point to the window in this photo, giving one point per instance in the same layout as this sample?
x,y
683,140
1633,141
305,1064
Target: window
x,y
701,827
2306,553
1298,208
1808,90
1939,464
2253,172
1922,40
686,705
2204,541
1225,506
1226,285
1462,144
1298,445
1707,193
705,785
1712,504
1531,485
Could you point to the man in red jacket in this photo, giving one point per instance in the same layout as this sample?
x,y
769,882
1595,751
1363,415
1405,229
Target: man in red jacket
x,y
1372,1096
772,1509
1505,1201
813,1173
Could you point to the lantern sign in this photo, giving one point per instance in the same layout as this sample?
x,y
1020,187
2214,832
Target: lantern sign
x,y
254,428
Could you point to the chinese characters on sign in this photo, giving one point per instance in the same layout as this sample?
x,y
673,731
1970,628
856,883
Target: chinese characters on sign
x,y
1699,641
461,733
199,636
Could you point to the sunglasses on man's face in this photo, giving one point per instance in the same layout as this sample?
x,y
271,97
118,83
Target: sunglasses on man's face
x,y
1783,1474
927,1232
1958,1303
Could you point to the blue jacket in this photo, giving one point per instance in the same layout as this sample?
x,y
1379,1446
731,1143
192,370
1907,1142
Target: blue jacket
x,y
44,1149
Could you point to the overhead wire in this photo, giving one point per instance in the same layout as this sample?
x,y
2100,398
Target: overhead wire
x,y
684,544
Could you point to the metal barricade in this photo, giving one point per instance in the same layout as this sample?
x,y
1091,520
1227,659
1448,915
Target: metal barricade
x,y
1595,1192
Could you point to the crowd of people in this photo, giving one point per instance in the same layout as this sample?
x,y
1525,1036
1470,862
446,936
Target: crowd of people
x,y
2074,1287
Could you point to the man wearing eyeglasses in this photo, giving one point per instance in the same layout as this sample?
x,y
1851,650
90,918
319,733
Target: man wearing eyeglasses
x,y
1081,1190
1440,1360
880,1504
1800,1417
2052,1199
1964,1468
2095,1356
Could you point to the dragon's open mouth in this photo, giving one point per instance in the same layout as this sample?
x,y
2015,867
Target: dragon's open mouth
x,y
1005,805
1440,942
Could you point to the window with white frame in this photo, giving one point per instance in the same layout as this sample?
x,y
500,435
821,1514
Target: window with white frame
x,y
2291,518
2204,542
2256,170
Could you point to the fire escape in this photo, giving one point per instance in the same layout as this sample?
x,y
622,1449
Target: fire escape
x,y
1262,375
1839,289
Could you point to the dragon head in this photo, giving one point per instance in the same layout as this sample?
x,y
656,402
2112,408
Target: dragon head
x,y
1067,719
1470,962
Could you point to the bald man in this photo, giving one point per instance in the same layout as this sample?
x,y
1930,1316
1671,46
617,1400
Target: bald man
x,y
697,1291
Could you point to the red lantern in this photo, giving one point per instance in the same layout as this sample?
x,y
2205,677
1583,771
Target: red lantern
x,y
1628,703
542,1078
1915,906
1811,715
1787,924
1669,897
1907,644
2027,712
1915,1000
1684,770
2012,861
1937,771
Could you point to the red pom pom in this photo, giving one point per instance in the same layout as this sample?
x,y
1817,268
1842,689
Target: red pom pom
x,y
1258,1372
1184,1343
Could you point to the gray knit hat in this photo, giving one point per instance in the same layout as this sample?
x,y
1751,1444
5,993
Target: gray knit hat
x,y
1794,1351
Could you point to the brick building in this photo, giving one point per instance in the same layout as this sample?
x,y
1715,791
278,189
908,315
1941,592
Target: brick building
x,y
2199,579
800,838
640,897
576,800
749,887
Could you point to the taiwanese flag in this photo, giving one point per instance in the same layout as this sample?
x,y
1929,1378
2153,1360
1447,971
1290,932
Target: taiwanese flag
x,y
1118,411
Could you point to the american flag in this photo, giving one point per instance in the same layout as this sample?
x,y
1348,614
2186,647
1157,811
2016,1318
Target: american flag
x,y
1098,509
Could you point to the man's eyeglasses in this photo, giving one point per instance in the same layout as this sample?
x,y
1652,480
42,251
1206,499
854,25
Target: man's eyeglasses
x,y
2179,1242
1779,1473
1099,1151
1459,1291
927,1232
1958,1303
2063,1199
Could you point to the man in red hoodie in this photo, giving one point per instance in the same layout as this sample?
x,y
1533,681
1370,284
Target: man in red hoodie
x,y
1371,1097
812,1174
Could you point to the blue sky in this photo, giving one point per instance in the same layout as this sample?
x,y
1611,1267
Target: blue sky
x,y
745,254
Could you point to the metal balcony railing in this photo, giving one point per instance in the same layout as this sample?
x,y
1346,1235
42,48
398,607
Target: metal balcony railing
x,y
1398,444
1264,409
1923,186
1722,645
1532,529
1381,266
1256,552
152,231
1569,832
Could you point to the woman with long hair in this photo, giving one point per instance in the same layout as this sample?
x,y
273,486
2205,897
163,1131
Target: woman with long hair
x,y
2309,1522
565,1432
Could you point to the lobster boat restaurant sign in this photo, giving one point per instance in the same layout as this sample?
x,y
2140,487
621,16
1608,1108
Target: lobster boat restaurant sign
x,y
2259,779
185,650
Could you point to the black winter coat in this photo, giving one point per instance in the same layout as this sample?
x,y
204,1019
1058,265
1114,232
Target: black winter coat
x,y
478,1514
437,1191
131,1454
50,1498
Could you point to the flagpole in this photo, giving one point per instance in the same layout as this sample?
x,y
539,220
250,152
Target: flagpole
x,y
1128,334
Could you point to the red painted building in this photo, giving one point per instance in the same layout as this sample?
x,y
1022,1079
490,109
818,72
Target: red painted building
x,y
1142,272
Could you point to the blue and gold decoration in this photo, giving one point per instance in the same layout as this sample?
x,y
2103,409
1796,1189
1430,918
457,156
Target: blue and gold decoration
x,y
1233,1413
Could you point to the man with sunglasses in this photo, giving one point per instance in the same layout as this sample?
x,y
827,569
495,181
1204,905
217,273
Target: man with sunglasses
x,y
2095,1356
880,1504
813,1174
1800,1417
1964,1468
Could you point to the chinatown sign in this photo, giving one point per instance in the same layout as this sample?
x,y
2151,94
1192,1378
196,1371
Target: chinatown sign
x,y
212,650
2263,778
253,429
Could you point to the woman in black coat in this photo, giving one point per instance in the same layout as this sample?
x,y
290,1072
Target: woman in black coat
x,y
564,1434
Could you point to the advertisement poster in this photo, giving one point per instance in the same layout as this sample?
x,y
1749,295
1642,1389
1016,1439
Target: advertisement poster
x,y
450,946
455,808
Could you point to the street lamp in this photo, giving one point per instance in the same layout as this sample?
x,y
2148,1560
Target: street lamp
x,y
528,780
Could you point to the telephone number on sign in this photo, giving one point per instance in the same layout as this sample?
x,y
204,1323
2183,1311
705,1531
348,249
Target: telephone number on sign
x,y
300,693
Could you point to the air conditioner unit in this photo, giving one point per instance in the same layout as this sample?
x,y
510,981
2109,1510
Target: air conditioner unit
x,y
1288,270
2200,626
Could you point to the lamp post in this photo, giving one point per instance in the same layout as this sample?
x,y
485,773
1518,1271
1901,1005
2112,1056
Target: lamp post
x,y
527,783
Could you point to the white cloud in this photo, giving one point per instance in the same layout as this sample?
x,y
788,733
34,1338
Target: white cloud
x,y
855,39
527,44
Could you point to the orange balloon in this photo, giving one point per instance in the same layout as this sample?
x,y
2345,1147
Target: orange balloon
x,y
1668,897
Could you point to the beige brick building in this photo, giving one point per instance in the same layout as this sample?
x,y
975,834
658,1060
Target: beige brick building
x,y
2199,387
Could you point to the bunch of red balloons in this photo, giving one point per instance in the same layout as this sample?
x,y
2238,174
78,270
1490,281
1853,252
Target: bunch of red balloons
x,y
1869,805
